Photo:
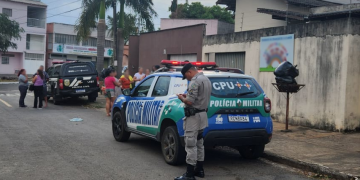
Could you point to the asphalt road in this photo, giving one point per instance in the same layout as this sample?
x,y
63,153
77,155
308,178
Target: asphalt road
x,y
44,144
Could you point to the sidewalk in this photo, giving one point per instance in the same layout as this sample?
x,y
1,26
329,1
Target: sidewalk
x,y
332,153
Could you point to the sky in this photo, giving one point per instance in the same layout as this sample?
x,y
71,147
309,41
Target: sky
x,y
60,6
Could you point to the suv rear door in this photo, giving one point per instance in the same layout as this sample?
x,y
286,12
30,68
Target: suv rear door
x,y
236,103
79,76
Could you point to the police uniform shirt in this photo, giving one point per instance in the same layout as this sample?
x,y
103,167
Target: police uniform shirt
x,y
198,94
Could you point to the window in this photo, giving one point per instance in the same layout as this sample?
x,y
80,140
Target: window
x,y
66,39
5,60
234,87
143,89
108,44
162,86
57,70
50,71
7,11
34,57
35,42
90,42
50,41
78,69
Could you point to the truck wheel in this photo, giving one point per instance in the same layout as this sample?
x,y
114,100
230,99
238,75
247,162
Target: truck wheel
x,y
56,100
92,97
251,152
172,150
119,127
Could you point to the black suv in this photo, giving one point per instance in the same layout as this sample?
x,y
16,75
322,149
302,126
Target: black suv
x,y
73,79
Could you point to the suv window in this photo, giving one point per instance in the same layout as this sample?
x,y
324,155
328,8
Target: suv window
x,y
162,87
234,87
78,69
50,71
57,70
143,89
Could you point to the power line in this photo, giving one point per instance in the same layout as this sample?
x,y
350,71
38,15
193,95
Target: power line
x,y
49,9
58,14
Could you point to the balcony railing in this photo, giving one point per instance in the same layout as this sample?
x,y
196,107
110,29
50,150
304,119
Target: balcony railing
x,y
33,22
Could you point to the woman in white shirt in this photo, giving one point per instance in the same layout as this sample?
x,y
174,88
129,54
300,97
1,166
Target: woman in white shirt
x,y
139,76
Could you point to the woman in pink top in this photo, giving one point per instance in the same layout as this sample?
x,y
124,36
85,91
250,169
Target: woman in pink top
x,y
38,81
110,83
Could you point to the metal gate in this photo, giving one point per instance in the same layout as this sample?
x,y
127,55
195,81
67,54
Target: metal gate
x,y
231,60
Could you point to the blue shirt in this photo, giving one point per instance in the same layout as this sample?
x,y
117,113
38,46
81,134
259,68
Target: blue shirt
x,y
22,79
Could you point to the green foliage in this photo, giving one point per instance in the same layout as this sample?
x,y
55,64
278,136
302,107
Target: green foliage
x,y
90,14
9,31
129,25
196,10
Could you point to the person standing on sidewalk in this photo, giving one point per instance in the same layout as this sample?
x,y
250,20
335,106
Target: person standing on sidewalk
x,y
38,81
139,76
126,81
46,78
196,104
23,87
110,83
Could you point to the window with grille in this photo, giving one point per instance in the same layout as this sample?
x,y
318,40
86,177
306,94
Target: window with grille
x,y
4,60
50,41
66,39
108,44
7,11
34,57
90,42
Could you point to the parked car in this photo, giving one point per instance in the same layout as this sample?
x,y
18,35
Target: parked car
x,y
75,79
239,114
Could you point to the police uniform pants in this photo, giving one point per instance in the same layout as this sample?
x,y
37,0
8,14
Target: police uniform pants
x,y
194,147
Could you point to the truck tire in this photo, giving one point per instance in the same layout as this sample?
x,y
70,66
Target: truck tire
x,y
56,100
92,97
251,152
172,150
119,127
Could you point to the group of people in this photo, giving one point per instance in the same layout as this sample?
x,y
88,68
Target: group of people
x,y
39,80
125,83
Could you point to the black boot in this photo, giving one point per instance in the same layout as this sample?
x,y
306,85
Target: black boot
x,y
199,170
189,175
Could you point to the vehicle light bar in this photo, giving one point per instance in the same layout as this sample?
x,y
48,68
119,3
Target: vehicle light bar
x,y
182,63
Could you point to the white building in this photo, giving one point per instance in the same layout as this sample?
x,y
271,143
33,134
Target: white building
x,y
30,54
63,46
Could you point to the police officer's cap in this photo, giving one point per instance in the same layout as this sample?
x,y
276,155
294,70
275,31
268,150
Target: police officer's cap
x,y
186,69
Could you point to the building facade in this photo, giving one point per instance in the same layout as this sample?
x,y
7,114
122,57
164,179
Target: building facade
x,y
254,14
30,52
213,26
63,46
148,49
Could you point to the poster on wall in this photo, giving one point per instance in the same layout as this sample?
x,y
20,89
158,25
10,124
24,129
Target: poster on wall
x,y
80,50
275,50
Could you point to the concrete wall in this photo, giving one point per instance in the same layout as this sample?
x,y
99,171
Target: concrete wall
x,y
133,54
14,64
327,56
211,24
69,29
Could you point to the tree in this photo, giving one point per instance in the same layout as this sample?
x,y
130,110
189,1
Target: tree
x,y
130,27
196,10
89,15
9,31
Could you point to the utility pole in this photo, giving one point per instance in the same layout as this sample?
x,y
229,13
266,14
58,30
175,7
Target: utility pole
x,y
115,44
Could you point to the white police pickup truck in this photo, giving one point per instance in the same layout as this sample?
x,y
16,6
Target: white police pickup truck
x,y
239,113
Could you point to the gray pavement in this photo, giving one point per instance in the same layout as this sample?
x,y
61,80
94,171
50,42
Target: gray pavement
x,y
44,144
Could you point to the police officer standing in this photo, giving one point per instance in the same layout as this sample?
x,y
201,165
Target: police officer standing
x,y
196,103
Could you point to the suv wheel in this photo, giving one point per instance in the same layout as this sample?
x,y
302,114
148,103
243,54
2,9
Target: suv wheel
x,y
251,152
92,97
56,100
118,127
172,150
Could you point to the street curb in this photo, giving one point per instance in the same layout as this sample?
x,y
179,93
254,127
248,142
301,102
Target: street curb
x,y
318,168
9,83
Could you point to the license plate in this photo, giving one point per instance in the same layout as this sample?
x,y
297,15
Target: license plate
x,y
238,118
80,90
